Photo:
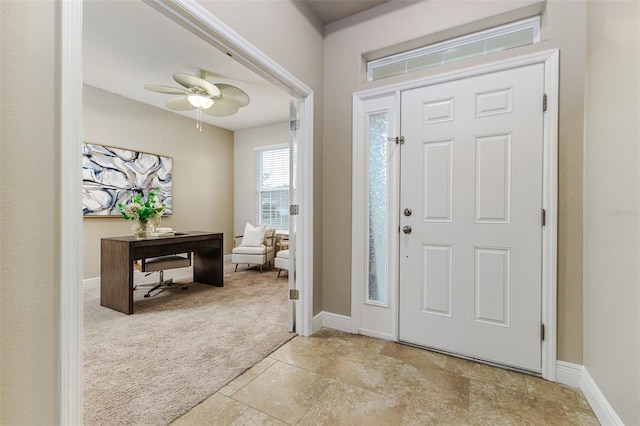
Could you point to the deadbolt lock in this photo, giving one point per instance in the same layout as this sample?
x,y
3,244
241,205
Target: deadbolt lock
x,y
407,212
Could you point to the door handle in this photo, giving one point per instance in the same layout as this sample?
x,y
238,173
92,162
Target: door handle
x,y
406,229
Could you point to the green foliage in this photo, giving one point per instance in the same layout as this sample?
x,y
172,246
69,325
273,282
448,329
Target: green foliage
x,y
139,209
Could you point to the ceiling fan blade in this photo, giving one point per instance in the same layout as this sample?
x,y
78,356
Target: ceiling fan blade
x,y
180,104
167,89
233,94
221,108
193,82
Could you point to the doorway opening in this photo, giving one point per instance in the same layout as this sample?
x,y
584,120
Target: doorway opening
x,y
199,21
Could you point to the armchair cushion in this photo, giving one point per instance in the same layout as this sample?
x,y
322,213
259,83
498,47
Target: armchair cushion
x,y
253,236
259,250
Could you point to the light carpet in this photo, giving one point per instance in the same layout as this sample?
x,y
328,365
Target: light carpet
x,y
180,346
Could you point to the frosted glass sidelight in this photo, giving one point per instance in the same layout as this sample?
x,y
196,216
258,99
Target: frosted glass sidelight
x,y
378,159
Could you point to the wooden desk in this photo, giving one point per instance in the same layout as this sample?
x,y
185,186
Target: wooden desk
x,y
117,255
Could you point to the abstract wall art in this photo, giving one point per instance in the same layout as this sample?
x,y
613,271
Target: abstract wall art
x,y
111,175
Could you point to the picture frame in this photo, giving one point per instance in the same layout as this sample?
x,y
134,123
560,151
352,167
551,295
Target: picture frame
x,y
111,175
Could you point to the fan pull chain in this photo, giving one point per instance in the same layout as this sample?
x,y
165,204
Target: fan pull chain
x,y
199,119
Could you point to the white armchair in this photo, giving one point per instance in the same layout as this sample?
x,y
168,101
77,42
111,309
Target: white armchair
x,y
254,247
282,261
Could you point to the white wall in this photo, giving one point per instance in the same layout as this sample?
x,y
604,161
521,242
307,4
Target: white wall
x,y
202,167
612,205
244,178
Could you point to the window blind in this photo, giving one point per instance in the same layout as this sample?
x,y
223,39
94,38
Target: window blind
x,y
272,186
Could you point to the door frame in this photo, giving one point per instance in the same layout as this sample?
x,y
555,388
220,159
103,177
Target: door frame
x,y
192,16
359,221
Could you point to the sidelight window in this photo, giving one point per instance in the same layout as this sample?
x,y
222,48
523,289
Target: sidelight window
x,y
377,130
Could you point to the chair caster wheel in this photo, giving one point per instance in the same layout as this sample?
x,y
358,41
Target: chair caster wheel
x,y
184,287
147,296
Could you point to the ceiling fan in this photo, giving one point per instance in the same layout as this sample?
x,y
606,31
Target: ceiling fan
x,y
217,99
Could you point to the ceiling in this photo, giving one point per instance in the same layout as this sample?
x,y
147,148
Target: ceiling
x,y
121,56
333,10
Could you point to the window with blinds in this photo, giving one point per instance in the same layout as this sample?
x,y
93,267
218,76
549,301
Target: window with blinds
x,y
272,186
504,37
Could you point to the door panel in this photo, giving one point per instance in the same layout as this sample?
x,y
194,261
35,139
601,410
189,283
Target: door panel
x,y
470,269
438,176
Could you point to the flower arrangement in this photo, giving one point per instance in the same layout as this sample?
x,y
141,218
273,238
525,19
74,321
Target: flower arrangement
x,y
139,210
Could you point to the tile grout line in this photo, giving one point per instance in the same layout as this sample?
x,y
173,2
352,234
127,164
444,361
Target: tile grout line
x,y
317,400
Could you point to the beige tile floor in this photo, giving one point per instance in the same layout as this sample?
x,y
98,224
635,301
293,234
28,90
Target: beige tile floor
x,y
336,378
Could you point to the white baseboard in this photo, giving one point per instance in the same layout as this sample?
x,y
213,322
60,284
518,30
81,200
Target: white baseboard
x,y
342,323
577,376
227,258
316,324
91,281
569,374
330,320
603,410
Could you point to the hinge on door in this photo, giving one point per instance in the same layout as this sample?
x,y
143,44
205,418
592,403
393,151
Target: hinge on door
x,y
397,140
294,124
541,331
544,102
294,210
544,217
294,294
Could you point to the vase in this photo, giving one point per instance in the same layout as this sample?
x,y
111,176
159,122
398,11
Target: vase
x,y
155,222
141,229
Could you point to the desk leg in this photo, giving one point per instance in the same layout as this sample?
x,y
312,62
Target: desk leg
x,y
116,276
208,266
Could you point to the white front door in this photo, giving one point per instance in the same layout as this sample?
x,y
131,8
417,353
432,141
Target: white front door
x,y
471,214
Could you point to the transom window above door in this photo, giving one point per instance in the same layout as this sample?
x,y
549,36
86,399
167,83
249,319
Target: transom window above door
x,y
481,43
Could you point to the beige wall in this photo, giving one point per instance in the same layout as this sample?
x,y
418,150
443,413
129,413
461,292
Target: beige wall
x,y
612,205
376,29
202,167
245,144
29,214
287,33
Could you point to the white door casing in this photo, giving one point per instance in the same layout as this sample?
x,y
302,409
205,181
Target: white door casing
x,y
470,268
293,201
361,100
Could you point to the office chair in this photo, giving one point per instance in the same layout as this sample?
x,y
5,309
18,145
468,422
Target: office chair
x,y
160,264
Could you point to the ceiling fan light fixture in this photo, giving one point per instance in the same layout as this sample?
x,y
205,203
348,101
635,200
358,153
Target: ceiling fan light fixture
x,y
200,101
